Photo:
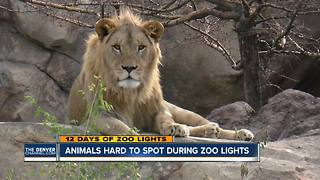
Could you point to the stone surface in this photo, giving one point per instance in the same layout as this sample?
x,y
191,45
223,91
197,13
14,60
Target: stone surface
x,y
63,70
296,158
43,55
284,72
231,116
18,80
14,135
196,77
285,160
51,33
16,48
290,112
5,15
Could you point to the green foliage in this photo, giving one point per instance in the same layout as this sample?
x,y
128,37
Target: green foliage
x,y
48,120
93,170
83,170
10,174
264,140
244,170
97,106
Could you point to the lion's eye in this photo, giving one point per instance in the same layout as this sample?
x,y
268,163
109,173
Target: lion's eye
x,y
141,48
116,48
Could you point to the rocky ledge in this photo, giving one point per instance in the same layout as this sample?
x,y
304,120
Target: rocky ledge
x,y
289,122
294,158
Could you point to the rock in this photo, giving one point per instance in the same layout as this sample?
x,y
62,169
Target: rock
x,y
18,80
159,170
16,48
52,33
44,29
11,163
5,15
231,116
63,69
289,113
286,72
198,78
286,159
195,76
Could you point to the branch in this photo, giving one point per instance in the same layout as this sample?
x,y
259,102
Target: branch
x,y
161,16
201,14
18,11
292,52
217,46
290,25
302,36
61,6
152,10
169,4
246,7
275,7
281,75
193,5
72,21
270,18
254,15
289,10
101,9
226,5
274,85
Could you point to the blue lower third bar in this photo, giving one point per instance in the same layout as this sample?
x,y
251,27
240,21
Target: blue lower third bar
x,y
40,152
159,152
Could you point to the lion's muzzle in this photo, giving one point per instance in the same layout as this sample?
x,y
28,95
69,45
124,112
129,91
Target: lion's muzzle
x,y
129,83
129,77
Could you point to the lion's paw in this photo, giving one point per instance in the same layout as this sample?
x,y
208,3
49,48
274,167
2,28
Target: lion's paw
x,y
244,135
176,129
211,130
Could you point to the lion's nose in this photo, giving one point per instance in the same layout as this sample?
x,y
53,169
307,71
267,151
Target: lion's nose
x,y
129,68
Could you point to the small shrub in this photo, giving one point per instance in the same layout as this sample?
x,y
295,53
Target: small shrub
x,y
83,170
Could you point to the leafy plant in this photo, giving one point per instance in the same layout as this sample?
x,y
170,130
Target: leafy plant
x,y
244,170
83,170
10,174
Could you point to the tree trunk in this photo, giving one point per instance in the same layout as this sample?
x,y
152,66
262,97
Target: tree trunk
x,y
250,63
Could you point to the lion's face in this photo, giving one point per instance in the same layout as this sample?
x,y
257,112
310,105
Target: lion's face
x,y
131,56
131,52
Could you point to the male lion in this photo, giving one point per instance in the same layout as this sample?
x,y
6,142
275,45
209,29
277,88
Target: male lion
x,y
125,53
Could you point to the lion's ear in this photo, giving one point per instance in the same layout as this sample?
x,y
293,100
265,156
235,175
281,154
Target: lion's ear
x,y
154,28
104,27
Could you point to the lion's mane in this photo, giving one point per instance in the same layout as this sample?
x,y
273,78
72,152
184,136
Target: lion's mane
x,y
140,104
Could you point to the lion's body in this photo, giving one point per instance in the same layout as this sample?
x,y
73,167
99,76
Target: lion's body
x,y
136,114
125,53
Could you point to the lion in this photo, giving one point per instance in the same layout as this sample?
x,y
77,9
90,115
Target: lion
x,y
124,51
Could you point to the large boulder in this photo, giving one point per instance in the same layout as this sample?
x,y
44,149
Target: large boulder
x,y
42,28
289,113
63,70
288,71
5,15
18,80
286,159
16,48
50,32
231,116
195,76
